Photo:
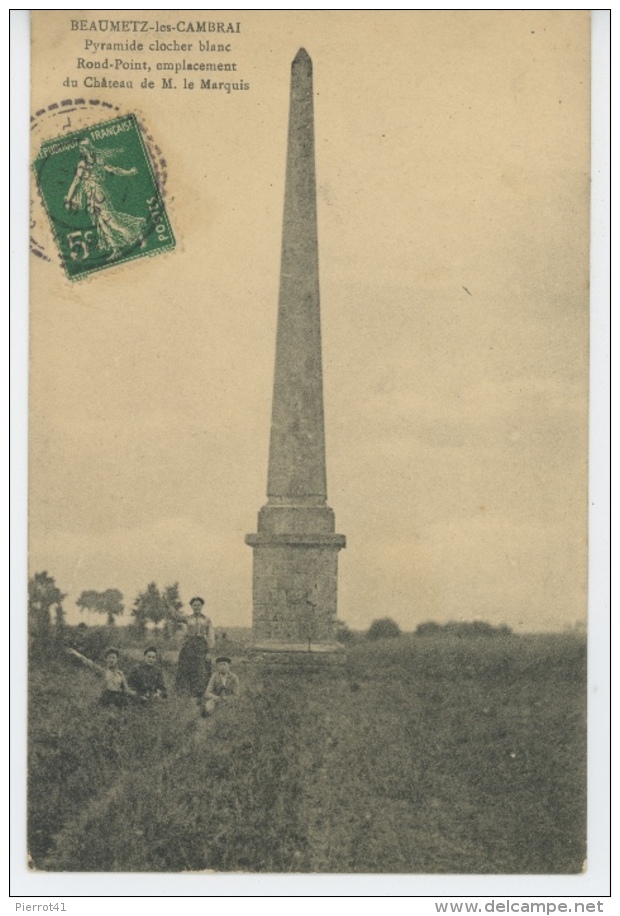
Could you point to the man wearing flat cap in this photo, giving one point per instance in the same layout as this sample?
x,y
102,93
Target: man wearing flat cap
x,y
222,687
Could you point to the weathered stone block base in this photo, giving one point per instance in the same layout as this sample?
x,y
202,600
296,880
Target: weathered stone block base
x,y
295,580
284,657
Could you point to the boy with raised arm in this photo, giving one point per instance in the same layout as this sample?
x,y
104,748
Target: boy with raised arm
x,y
115,689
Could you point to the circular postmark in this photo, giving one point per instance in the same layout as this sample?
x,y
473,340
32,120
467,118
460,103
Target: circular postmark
x,y
100,187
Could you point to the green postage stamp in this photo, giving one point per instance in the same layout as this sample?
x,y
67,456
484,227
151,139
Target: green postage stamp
x,y
102,198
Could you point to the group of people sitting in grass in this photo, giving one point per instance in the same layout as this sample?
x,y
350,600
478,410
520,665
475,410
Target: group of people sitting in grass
x,y
194,670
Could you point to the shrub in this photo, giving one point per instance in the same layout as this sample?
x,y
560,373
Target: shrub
x,y
462,628
385,628
344,633
476,628
430,628
90,641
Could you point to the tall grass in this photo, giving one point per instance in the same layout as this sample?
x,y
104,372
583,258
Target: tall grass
x,y
421,755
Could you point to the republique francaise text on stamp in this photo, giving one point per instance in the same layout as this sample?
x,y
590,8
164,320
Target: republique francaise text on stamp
x,y
101,195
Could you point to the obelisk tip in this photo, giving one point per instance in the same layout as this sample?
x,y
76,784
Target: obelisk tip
x,y
302,57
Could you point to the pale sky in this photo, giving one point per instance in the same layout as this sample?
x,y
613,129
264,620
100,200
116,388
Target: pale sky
x,y
453,173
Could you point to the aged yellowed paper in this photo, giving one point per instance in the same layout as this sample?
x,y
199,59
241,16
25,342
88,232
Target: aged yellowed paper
x,y
426,710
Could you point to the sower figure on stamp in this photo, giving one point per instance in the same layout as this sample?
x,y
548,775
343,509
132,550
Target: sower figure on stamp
x,y
116,690
116,231
222,687
194,666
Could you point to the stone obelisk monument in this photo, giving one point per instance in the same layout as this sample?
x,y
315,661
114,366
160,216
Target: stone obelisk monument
x,y
295,548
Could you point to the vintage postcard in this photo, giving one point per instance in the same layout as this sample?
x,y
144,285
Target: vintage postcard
x,y
308,455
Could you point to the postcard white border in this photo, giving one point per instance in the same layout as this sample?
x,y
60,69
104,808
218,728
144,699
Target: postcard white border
x,y
31,887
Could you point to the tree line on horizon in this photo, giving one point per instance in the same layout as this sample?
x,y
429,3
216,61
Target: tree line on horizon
x,y
157,607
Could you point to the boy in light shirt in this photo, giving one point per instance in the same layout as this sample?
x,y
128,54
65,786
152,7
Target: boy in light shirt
x,y
223,686
115,689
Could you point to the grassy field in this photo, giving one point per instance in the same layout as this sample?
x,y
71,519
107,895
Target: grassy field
x,y
423,755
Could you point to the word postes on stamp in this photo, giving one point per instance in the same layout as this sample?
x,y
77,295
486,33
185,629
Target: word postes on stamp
x,y
102,198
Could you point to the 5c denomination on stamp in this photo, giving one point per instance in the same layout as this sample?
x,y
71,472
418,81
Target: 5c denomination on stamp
x,y
102,198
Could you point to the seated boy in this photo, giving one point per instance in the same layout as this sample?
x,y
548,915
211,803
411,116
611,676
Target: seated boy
x,y
115,689
147,679
222,686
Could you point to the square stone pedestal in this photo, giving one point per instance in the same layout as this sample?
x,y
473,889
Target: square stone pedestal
x,y
295,583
